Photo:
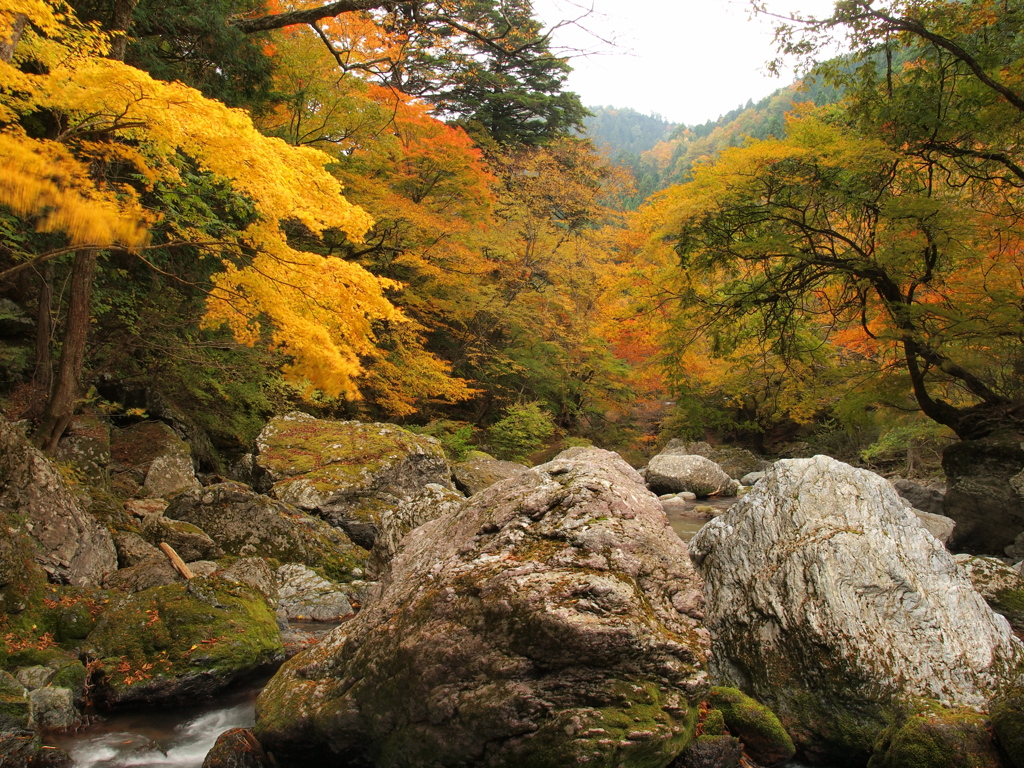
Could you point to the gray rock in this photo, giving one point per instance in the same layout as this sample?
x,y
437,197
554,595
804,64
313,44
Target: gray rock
x,y
678,447
554,620
346,471
673,473
86,444
988,510
35,677
673,505
990,576
153,455
302,594
922,497
132,549
737,462
190,542
1016,550
14,704
253,572
939,526
829,603
430,503
53,709
73,547
751,478
248,524
202,567
155,571
481,471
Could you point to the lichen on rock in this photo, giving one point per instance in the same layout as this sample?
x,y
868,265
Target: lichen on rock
x,y
552,621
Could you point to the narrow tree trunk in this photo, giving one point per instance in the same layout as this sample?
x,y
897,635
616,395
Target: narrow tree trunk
x,y
121,21
67,387
42,376
17,28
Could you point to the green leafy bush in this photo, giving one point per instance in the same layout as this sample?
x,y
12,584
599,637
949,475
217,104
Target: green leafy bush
x,y
522,430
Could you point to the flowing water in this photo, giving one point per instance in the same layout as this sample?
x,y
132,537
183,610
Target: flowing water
x,y
155,738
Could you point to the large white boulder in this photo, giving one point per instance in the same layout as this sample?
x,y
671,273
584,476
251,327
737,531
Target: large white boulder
x,y
829,602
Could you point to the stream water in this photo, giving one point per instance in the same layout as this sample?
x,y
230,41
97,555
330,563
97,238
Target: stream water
x,y
159,739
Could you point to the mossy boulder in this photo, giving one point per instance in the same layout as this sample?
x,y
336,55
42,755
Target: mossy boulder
x,y
15,710
410,513
552,621
754,724
828,602
938,738
237,748
248,524
348,472
1007,713
176,643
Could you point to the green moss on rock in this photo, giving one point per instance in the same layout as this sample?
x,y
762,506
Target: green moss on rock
x,y
159,642
713,723
1007,713
755,725
14,704
937,738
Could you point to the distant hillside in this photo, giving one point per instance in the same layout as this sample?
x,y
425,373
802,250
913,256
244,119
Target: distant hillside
x,y
625,131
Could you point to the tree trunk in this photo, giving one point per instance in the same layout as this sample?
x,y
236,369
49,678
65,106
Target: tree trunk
x,y
122,19
42,376
17,27
67,388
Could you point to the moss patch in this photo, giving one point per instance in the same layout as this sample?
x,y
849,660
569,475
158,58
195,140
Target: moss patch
x,y
1008,724
755,725
937,738
204,626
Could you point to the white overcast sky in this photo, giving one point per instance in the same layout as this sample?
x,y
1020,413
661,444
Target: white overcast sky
x,y
687,60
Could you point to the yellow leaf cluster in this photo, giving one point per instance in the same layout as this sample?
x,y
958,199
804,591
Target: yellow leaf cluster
x,y
319,309
43,179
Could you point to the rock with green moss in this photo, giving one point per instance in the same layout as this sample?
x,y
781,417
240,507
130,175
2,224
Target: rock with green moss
x,y
1001,585
1007,713
15,710
70,545
828,602
178,643
754,724
86,444
347,472
938,738
480,471
553,621
249,524
154,571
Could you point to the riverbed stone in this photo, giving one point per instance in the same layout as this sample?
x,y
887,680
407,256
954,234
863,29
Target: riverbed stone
x,y
14,704
53,708
829,603
707,751
154,571
410,513
132,549
24,749
254,572
72,547
302,594
347,472
672,473
927,498
939,526
180,643
250,524
237,748
552,621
